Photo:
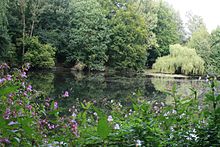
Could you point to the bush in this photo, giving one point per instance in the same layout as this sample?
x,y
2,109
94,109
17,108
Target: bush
x,y
181,60
39,55
27,118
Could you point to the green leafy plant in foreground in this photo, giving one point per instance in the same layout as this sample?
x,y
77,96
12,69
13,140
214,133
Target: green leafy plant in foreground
x,y
29,119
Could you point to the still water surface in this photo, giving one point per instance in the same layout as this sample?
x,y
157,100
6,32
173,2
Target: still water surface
x,y
101,86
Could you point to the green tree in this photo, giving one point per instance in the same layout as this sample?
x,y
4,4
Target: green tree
x,y
194,22
39,55
4,37
128,44
181,60
88,36
214,58
200,40
53,24
168,31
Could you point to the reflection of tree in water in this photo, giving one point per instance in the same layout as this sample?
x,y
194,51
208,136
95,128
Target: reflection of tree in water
x,y
183,86
42,81
151,92
101,87
98,87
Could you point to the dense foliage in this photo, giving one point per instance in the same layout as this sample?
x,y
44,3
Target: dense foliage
x,y
95,34
128,40
214,64
181,60
28,118
168,30
88,36
39,55
200,41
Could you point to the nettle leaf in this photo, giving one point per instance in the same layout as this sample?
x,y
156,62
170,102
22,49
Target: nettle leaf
x,y
8,90
103,127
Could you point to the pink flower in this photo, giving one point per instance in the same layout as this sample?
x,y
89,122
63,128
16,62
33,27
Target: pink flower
x,y
51,126
2,80
55,105
25,93
8,77
74,128
26,66
7,114
23,75
66,94
29,88
29,107
4,140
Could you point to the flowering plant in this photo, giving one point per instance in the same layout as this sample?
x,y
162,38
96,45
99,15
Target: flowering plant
x,y
27,119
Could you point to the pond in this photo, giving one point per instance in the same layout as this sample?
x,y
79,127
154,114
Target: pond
x,y
101,87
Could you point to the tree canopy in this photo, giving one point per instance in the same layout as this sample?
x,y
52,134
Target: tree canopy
x,y
180,60
119,34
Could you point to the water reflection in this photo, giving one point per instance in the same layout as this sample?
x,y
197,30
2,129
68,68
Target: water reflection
x,y
102,86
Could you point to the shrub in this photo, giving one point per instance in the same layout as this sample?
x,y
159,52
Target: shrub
x,y
39,55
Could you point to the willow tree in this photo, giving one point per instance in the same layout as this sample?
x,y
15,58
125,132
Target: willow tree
x,y
180,60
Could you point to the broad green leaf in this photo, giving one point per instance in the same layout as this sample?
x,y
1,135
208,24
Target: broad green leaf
x,y
103,127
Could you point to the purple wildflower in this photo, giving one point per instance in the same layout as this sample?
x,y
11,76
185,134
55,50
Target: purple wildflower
x,y
25,93
10,101
110,119
23,74
66,94
74,128
23,84
2,80
7,114
51,126
29,88
12,123
29,107
14,113
4,140
26,66
8,77
55,105
43,122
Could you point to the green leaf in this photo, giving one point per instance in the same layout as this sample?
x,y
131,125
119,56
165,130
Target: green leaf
x,y
8,90
103,128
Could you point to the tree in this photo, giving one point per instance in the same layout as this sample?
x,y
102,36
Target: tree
x,y
214,58
88,35
53,25
128,45
4,37
168,30
200,40
194,22
181,60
